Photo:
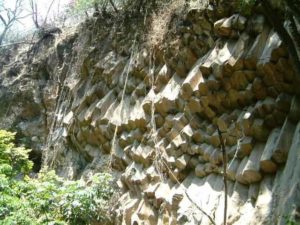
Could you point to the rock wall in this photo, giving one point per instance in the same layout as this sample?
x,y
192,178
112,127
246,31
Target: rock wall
x,y
97,101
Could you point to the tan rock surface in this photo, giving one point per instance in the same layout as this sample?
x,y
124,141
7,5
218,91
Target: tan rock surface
x,y
150,117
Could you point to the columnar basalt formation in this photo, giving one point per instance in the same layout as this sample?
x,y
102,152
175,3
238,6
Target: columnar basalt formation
x,y
152,117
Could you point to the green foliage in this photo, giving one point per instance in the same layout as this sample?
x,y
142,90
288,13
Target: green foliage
x,y
103,5
245,6
48,199
84,5
13,160
289,220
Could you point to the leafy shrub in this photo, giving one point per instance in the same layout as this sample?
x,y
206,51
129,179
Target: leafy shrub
x,y
13,160
85,5
245,6
48,199
289,220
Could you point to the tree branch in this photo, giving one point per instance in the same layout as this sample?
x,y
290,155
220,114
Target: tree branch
x,y
3,20
48,11
201,210
33,6
13,15
16,43
113,5
22,17
224,174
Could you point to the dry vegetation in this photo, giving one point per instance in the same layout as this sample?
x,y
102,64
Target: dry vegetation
x,y
160,22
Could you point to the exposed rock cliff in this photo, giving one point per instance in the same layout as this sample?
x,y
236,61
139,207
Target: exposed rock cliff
x,y
99,100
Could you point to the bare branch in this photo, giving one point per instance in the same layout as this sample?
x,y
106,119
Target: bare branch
x,y
48,12
8,13
16,43
34,10
200,209
12,16
22,17
3,20
224,174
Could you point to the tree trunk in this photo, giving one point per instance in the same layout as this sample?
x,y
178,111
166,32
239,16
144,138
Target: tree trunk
x,y
2,35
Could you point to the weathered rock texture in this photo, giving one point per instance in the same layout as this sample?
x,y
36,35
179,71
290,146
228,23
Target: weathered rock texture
x,y
152,116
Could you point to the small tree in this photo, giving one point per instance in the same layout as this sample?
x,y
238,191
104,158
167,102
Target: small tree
x,y
9,16
48,199
11,157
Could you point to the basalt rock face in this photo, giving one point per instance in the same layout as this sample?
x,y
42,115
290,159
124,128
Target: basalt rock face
x,y
97,101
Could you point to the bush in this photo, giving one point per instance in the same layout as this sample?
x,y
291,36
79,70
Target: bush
x,y
49,199
86,5
246,6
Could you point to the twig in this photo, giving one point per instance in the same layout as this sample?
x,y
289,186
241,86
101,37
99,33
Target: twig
x,y
187,195
48,11
224,173
15,43
201,210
